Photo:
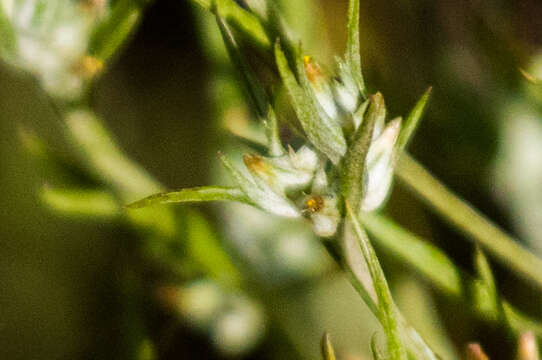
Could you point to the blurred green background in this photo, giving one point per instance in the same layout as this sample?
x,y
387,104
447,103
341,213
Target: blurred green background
x,y
63,285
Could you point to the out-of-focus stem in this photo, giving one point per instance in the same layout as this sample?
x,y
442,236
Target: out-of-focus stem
x,y
469,220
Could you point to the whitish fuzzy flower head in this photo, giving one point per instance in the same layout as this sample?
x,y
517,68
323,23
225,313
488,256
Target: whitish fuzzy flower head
x,y
340,98
51,41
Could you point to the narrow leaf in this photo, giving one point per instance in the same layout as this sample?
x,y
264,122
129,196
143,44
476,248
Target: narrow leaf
x,y
250,83
439,269
205,249
484,270
412,121
327,348
253,88
272,132
352,56
242,20
487,297
8,42
109,35
427,259
102,156
323,133
377,355
197,194
354,166
85,203
387,312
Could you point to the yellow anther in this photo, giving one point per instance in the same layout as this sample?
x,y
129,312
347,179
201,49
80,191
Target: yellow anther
x,y
314,204
312,69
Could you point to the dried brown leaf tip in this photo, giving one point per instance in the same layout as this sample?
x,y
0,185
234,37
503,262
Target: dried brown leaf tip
x,y
475,352
255,163
527,347
312,69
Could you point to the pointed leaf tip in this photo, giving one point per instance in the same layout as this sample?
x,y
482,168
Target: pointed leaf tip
x,y
388,314
412,121
352,56
197,194
327,348
323,132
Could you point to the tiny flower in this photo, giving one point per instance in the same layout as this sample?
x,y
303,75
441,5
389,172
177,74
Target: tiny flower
x,y
324,214
321,87
50,39
293,171
260,193
346,91
380,165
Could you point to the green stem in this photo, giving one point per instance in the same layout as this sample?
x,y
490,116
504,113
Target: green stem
x,y
439,269
469,220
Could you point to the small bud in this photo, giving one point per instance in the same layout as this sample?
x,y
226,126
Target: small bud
x,y
346,91
293,171
474,352
321,87
527,347
380,162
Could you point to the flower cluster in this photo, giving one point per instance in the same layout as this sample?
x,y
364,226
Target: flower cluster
x,y
302,182
50,40
349,152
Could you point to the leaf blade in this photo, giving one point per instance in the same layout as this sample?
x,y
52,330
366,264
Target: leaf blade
x,y
413,119
196,194
112,33
387,311
322,132
352,56
354,167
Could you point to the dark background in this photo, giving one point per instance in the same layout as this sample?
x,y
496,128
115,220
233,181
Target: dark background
x,y
58,278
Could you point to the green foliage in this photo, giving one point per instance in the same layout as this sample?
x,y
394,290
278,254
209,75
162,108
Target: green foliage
x,y
242,20
327,348
339,197
353,56
387,313
412,121
354,168
323,132
199,194
83,203
112,32
7,34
